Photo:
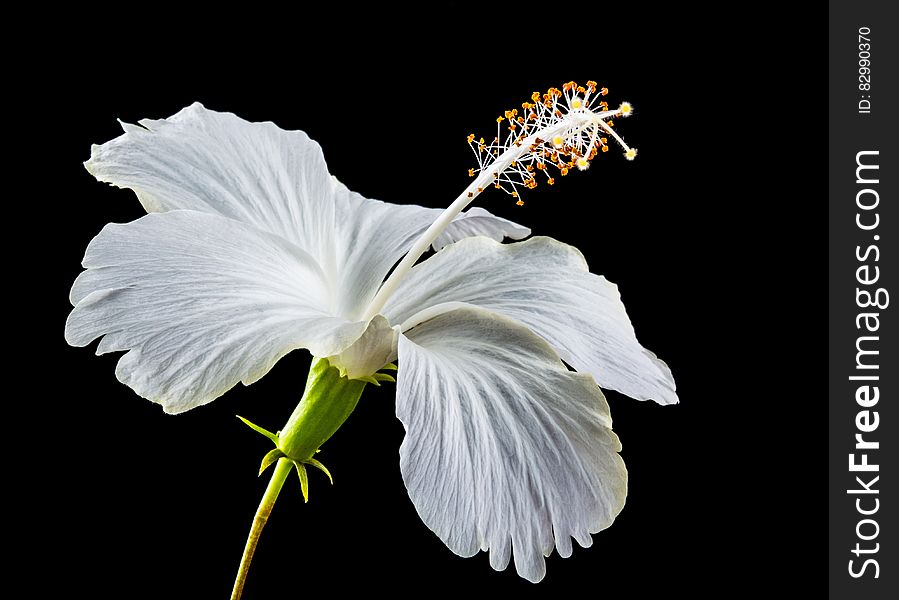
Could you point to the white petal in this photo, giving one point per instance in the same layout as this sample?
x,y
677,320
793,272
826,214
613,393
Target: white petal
x,y
372,236
201,302
505,448
277,181
546,285
374,349
215,162
477,221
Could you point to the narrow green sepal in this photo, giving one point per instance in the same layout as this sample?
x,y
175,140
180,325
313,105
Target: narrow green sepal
x,y
267,460
273,437
369,379
320,467
389,367
304,480
384,377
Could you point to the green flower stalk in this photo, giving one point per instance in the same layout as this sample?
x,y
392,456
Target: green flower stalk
x,y
327,401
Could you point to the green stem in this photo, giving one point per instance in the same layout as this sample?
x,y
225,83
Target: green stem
x,y
282,470
327,402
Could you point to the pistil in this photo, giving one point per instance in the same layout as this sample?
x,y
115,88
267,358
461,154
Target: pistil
x,y
559,129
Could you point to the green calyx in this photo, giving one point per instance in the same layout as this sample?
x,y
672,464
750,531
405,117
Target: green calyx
x,y
327,402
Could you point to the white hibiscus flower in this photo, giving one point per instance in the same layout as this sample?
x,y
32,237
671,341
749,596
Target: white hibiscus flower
x,y
251,250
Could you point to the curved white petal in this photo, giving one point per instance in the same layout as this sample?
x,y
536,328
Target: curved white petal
x,y
372,236
478,221
277,181
505,448
545,285
200,302
374,349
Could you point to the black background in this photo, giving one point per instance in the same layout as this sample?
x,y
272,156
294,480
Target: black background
x,y
715,235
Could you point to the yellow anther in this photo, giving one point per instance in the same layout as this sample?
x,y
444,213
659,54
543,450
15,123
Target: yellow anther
x,y
515,194
605,148
564,171
535,96
604,91
471,172
470,137
499,119
551,181
481,141
520,202
591,85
